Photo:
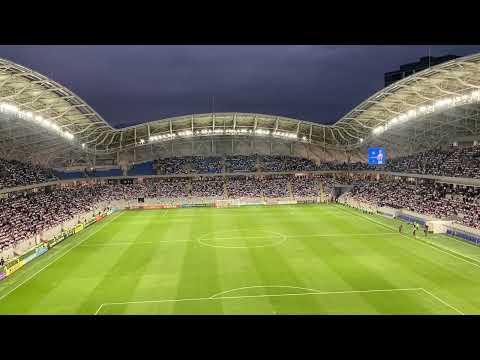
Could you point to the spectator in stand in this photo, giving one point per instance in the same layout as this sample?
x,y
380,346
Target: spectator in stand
x,y
241,163
443,201
14,173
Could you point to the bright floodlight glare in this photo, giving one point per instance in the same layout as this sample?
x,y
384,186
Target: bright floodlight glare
x,y
28,115
437,105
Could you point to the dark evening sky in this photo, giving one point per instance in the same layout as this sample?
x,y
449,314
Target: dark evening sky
x,y
134,84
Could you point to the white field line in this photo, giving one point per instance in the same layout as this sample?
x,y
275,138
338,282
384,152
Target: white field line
x,y
442,301
244,237
342,235
254,296
264,287
426,243
242,214
119,243
61,255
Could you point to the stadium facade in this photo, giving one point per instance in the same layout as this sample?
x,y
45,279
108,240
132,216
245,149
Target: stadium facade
x,y
44,122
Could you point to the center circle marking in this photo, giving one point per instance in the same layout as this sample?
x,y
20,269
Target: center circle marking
x,y
230,234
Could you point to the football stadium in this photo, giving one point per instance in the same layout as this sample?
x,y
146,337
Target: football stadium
x,y
242,213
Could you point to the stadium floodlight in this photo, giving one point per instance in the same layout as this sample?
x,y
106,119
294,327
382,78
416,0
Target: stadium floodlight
x,y
4,107
378,130
437,105
28,115
220,131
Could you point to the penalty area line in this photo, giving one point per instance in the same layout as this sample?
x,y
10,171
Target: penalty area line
x,y
431,245
254,296
443,302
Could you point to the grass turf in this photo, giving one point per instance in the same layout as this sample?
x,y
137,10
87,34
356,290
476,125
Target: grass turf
x,y
313,259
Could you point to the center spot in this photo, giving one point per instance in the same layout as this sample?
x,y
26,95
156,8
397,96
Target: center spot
x,y
241,239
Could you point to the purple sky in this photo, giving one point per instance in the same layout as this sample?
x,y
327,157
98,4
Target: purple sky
x,y
134,84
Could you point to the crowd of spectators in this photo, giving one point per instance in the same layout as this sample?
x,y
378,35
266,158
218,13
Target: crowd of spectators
x,y
170,166
453,162
208,187
274,186
428,162
249,163
278,163
241,163
15,173
206,164
243,187
305,186
24,214
460,203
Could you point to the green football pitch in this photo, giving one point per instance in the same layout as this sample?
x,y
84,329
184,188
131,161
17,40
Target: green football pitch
x,y
309,259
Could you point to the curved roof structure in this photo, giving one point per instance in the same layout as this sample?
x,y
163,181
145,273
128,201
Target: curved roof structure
x,y
437,97
43,118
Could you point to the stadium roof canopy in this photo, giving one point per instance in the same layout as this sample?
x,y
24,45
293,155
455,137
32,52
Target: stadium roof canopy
x,y
41,118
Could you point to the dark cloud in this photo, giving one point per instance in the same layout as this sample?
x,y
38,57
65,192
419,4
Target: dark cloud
x,y
133,84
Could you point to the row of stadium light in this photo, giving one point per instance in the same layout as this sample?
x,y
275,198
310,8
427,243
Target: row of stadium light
x,y
27,115
442,104
258,132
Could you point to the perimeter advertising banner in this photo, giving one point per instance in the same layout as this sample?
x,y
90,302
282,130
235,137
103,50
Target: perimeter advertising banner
x,y
308,201
197,205
35,252
78,228
287,202
12,268
159,206
57,239
90,222
43,248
